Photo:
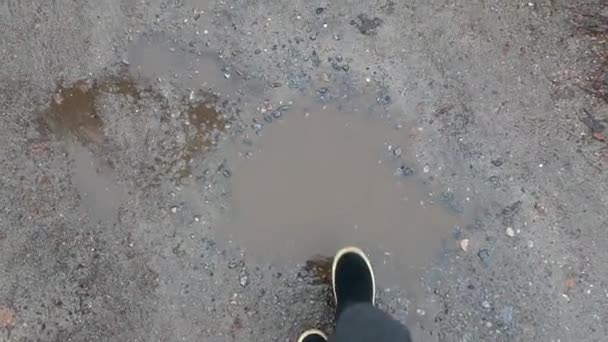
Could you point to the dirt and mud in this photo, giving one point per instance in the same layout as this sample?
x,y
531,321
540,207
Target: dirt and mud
x,y
185,170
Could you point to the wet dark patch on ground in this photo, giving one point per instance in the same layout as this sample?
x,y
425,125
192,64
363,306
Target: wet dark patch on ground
x,y
77,111
203,121
318,268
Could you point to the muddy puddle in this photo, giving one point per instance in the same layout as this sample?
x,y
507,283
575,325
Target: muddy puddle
x,y
86,111
320,180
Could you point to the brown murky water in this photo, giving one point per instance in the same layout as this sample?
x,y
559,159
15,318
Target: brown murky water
x,y
77,109
323,180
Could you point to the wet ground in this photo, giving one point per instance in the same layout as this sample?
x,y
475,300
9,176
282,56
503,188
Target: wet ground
x,y
184,170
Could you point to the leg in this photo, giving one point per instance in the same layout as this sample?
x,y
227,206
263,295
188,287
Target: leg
x,y
354,287
363,322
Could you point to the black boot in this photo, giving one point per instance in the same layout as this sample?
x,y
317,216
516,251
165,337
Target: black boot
x,y
312,335
352,279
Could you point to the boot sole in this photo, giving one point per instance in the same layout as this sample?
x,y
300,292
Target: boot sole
x,y
359,252
311,332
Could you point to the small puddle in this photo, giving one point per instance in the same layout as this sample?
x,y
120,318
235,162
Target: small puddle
x,y
75,109
323,180
78,110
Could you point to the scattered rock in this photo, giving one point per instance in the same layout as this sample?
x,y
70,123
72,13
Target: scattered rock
x,y
315,59
322,91
508,212
510,232
405,171
464,244
174,209
346,67
505,319
244,281
484,255
569,283
497,162
178,251
426,169
594,124
226,173
397,152
540,209
336,65
599,136
279,111
365,25
7,317
384,100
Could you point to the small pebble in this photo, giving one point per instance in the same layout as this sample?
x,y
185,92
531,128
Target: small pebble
x,y
277,114
397,152
197,218
174,209
244,280
346,67
426,169
484,255
510,232
405,171
464,244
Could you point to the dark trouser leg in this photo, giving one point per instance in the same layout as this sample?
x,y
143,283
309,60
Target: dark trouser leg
x,y
365,323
